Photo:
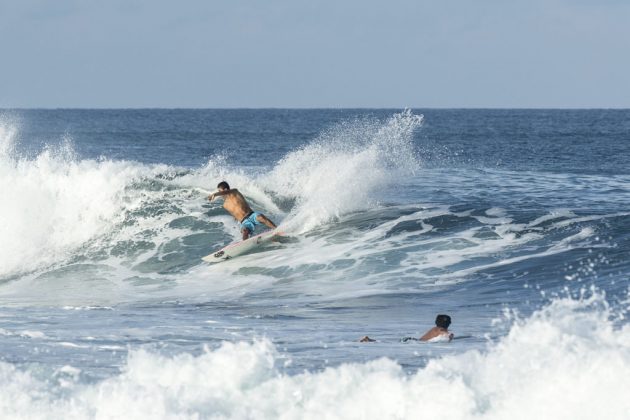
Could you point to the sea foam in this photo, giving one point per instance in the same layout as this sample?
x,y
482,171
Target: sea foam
x,y
566,361
60,203
54,203
340,171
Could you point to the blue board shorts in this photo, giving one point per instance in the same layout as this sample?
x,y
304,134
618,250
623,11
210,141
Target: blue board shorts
x,y
250,222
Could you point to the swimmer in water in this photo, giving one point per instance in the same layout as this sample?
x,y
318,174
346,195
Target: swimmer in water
x,y
440,330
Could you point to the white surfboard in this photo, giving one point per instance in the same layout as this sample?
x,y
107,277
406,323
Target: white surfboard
x,y
242,247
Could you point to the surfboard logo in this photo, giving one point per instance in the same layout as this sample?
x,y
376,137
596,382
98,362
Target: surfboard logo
x,y
219,254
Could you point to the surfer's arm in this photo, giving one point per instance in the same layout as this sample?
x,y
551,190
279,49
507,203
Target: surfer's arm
x,y
221,193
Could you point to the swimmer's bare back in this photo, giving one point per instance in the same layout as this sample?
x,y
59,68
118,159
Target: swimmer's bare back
x,y
437,332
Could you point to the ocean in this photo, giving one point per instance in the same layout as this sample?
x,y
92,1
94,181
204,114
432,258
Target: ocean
x,y
516,223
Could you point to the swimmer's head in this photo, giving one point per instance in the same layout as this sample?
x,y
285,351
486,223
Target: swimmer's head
x,y
443,321
223,186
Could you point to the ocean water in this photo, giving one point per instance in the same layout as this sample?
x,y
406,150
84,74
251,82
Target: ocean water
x,y
516,223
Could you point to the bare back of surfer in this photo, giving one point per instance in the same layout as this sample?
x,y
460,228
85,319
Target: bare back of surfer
x,y
237,206
440,331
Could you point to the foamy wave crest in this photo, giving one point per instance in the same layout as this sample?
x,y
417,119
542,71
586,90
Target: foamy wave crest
x,y
341,170
54,203
567,361
7,138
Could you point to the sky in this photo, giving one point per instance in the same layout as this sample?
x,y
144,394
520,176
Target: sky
x,y
314,54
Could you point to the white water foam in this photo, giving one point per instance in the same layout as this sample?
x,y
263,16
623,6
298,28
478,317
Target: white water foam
x,y
218,169
55,203
8,133
60,204
66,204
337,173
340,171
566,361
350,263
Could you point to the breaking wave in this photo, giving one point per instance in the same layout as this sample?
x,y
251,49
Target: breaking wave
x,y
567,361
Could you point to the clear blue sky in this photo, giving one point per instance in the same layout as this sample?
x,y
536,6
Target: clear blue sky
x,y
293,53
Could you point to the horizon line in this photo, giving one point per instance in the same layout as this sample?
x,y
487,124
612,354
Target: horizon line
x,y
306,108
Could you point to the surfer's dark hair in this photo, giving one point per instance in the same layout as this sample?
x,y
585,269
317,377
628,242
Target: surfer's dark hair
x,y
223,184
443,321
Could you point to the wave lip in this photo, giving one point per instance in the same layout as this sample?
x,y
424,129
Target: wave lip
x,y
342,170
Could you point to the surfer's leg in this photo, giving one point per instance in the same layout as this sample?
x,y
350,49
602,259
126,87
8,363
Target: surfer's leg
x,y
264,219
247,228
245,233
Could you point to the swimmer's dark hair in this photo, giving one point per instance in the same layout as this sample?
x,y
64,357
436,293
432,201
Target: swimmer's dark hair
x,y
223,184
443,321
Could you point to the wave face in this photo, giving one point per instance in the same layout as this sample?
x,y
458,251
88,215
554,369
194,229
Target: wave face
x,y
513,222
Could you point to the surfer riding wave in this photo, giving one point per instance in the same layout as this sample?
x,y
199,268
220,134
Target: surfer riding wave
x,y
237,206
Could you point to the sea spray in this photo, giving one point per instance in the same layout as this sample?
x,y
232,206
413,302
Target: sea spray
x,y
54,203
338,172
342,170
218,169
7,137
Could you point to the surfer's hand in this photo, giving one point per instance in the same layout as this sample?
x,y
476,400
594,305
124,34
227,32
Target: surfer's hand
x,y
211,197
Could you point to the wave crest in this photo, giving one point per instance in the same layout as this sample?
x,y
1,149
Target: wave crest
x,y
343,169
